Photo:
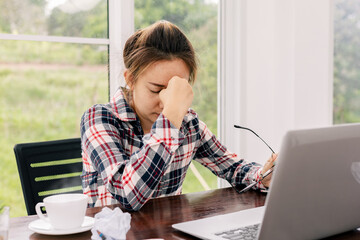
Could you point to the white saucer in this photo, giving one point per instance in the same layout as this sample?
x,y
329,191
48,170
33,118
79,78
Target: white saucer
x,y
43,227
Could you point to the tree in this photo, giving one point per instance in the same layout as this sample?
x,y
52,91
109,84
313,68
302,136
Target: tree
x,y
22,16
347,61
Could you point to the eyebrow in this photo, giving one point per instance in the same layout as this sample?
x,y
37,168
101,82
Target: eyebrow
x,y
157,85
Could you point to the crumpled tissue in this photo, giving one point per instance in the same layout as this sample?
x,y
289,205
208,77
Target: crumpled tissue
x,y
111,224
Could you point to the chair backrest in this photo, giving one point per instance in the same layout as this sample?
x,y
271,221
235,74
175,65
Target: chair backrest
x,y
48,168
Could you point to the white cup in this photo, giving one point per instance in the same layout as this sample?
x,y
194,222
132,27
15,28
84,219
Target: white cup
x,y
4,222
64,211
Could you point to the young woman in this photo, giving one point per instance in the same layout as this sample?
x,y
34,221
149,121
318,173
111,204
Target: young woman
x,y
139,146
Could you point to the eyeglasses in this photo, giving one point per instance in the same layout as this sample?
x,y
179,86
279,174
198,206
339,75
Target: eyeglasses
x,y
263,175
237,126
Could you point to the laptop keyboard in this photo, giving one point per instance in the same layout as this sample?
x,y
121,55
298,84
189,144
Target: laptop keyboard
x,y
247,232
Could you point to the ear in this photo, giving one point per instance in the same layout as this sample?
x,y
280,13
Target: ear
x,y
129,78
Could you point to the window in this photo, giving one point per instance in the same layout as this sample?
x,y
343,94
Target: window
x,y
54,57
346,61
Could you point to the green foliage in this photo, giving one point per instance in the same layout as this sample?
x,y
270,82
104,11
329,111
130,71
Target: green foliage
x,y
188,15
92,23
49,52
347,61
205,88
191,183
22,16
32,17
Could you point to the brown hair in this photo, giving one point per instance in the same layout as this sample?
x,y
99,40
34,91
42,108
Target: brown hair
x,y
159,41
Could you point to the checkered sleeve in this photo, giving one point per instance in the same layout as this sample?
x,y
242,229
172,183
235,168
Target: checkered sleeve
x,y
133,179
215,156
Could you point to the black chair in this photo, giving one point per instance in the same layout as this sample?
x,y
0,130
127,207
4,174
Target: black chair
x,y
48,168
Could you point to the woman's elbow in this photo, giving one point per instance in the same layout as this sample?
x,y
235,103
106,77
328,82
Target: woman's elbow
x,y
130,206
129,201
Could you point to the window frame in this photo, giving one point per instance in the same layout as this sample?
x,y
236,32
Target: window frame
x,y
121,27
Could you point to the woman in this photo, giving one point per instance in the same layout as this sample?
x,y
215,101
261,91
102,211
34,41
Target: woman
x,y
139,146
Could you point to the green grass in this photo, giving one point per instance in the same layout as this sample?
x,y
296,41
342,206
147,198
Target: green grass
x,y
40,105
192,184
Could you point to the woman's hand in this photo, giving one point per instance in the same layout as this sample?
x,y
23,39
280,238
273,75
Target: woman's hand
x,y
269,164
176,99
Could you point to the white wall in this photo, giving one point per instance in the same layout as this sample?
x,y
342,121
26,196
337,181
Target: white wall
x,y
275,72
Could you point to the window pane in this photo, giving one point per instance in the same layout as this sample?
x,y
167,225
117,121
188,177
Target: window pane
x,y
74,18
198,20
347,61
44,90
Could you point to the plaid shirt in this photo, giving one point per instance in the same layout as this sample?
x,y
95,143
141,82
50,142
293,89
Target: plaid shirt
x,y
122,165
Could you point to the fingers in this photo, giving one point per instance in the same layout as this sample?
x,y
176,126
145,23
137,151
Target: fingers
x,y
273,158
268,165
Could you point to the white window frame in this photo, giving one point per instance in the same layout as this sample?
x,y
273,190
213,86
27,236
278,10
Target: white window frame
x,y
275,71
121,27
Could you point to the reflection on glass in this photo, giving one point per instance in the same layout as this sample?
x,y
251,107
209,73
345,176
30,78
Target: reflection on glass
x,y
74,18
198,20
44,90
346,61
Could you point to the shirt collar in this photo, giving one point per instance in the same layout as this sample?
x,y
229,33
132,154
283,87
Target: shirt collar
x,y
121,108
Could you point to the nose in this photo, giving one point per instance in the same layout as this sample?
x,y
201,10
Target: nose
x,y
161,105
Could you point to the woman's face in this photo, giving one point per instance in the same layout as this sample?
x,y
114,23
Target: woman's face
x,y
145,91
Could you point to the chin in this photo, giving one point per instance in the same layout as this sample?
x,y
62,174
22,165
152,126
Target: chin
x,y
153,117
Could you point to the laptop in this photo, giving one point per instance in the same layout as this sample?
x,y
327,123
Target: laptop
x,y
315,191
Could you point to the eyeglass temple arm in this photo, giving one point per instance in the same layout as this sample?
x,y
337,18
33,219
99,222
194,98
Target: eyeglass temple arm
x,y
237,126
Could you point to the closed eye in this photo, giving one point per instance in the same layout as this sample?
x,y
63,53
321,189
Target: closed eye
x,y
155,91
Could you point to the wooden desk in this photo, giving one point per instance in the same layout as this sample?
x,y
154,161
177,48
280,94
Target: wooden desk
x,y
154,220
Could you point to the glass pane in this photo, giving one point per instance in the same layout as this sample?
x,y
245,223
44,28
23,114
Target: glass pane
x,y
44,90
347,61
74,18
198,20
